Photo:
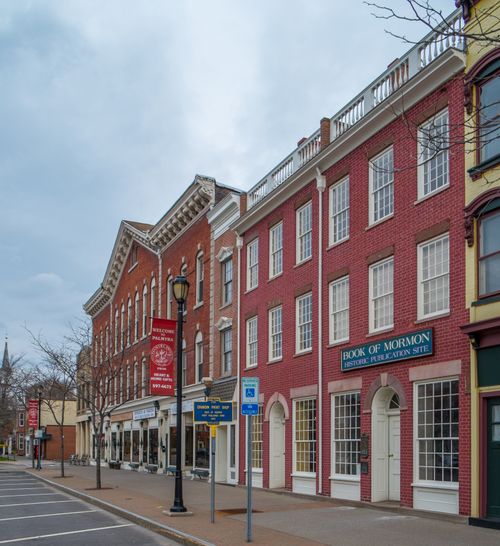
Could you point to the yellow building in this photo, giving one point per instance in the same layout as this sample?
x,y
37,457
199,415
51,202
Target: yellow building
x,y
482,227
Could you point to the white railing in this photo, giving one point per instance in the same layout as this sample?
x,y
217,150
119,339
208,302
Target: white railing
x,y
399,72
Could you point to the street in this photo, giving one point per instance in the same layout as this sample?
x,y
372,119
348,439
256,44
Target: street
x,y
33,513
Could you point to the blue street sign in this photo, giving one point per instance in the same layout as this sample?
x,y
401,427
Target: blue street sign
x,y
212,412
249,409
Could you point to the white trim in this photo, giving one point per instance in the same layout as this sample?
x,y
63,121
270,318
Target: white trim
x,y
298,299
250,324
253,282
371,203
331,232
371,308
272,251
270,333
299,234
332,340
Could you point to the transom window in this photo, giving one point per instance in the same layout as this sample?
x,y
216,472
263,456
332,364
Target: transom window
x,y
304,438
489,254
257,439
433,143
304,323
346,433
437,409
304,232
252,356
339,211
275,333
434,277
339,310
381,186
227,282
276,250
253,264
381,295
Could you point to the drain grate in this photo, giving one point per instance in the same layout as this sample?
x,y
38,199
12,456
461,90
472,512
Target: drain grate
x,y
234,511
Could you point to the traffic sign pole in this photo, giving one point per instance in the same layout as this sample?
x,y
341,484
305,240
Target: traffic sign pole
x,y
249,478
213,436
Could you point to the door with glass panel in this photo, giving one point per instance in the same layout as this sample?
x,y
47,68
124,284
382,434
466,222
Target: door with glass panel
x,y
493,459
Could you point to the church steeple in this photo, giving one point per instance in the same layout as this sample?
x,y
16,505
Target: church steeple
x,y
6,361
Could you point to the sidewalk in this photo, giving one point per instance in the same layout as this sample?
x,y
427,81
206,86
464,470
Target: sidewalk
x,y
279,518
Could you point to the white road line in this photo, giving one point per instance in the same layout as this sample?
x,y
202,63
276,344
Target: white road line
x,y
30,495
20,483
49,515
22,488
66,533
37,503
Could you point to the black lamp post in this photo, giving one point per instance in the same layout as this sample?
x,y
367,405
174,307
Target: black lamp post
x,y
180,289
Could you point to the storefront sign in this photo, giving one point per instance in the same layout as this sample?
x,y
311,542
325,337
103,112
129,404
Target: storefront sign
x,y
162,357
145,413
212,412
33,414
388,350
187,406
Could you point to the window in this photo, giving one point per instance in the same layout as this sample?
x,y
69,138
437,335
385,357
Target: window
x,y
117,331
381,186
144,310
257,438
198,350
253,264
129,323
304,232
153,301
136,318
303,334
252,342
489,254
227,350
128,390
227,282
21,420
143,377
433,277
20,442
106,337
437,430
346,434
339,211
339,310
304,437
489,116
275,333
433,172
184,269
199,278
122,328
276,250
381,295
184,363
136,386
133,256
170,296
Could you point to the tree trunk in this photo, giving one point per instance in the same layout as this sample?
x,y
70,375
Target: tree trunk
x,y
61,429
98,460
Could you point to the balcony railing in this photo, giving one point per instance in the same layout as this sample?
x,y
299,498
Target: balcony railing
x,y
447,36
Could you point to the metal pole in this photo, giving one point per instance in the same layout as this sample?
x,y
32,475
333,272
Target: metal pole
x,y
213,433
249,478
39,463
178,505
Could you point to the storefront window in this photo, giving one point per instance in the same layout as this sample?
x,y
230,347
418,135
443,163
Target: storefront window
x,y
153,446
188,445
126,445
346,433
202,446
305,435
173,446
144,445
135,446
257,440
232,460
113,446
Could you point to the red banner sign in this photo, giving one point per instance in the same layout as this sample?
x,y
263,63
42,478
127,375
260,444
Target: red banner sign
x,y
33,414
162,357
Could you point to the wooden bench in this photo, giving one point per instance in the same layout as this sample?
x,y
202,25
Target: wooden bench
x,y
171,470
152,468
200,473
134,466
115,465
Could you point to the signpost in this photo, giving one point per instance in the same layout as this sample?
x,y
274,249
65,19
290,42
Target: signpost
x,y
249,407
212,412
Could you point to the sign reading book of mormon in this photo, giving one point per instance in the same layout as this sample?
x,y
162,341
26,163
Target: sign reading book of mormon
x,y
389,350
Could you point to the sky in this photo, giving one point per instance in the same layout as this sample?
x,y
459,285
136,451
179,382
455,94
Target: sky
x,y
109,109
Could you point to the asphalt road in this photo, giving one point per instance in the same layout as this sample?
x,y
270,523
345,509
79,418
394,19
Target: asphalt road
x,y
33,513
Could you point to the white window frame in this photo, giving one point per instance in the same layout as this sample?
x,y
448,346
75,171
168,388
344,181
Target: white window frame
x,y
200,274
122,327
136,318
427,164
170,296
302,323
198,356
144,311
129,326
184,363
297,472
443,275
143,377
356,439
417,436
258,439
253,264
275,333
117,331
276,250
21,419
252,354
372,298
223,335
303,232
388,184
20,442
227,283
339,212
338,312
153,302
136,390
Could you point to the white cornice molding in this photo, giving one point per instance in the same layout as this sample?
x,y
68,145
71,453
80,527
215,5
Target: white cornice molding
x,y
224,253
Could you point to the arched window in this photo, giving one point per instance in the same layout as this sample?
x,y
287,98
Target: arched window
x,y
198,354
199,278
144,310
136,317
153,301
170,296
144,378
136,386
129,320
117,331
122,328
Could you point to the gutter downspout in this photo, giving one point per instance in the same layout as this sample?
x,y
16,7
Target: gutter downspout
x,y
320,186
239,246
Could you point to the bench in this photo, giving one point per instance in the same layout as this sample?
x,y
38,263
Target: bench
x,y
152,468
115,465
200,473
133,466
171,470
73,458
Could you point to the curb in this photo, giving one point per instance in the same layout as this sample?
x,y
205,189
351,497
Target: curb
x,y
159,528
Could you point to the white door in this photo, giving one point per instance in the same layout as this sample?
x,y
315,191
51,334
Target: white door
x,y
221,455
380,458
231,478
277,447
394,457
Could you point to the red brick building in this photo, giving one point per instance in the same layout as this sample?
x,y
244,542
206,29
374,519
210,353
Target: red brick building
x,y
352,294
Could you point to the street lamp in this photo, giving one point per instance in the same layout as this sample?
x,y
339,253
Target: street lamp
x,y
180,289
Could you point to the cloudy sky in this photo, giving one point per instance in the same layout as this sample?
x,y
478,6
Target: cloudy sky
x,y
109,108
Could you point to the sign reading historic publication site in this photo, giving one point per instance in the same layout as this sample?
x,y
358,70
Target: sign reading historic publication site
x,y
33,414
162,356
389,350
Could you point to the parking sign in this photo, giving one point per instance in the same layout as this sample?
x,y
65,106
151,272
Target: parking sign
x,y
250,396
